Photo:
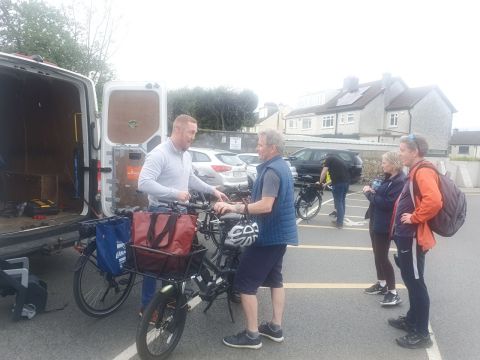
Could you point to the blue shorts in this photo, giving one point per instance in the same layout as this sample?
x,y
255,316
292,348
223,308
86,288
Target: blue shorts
x,y
260,266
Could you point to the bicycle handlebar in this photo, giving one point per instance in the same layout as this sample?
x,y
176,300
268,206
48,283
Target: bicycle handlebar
x,y
193,206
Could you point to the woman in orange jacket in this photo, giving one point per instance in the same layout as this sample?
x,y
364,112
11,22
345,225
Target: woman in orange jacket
x,y
414,238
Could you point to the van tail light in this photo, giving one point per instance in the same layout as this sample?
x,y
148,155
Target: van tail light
x,y
99,176
221,168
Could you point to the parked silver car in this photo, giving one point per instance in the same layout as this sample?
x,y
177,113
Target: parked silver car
x,y
219,168
252,160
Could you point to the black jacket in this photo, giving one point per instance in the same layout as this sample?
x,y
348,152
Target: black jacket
x,y
382,202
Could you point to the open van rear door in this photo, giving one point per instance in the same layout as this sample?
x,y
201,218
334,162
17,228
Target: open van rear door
x,y
134,121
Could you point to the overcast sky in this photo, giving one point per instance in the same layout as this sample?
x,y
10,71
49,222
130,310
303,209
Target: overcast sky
x,y
284,49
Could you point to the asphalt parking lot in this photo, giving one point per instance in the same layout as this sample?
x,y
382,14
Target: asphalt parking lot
x,y
327,316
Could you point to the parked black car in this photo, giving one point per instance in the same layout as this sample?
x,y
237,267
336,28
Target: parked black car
x,y
309,161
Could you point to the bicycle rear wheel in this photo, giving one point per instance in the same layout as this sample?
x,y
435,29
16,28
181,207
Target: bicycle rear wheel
x,y
97,293
161,326
308,206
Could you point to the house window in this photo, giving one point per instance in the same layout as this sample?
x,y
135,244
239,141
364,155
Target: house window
x,y
328,121
464,150
350,118
306,123
342,119
292,123
263,113
394,120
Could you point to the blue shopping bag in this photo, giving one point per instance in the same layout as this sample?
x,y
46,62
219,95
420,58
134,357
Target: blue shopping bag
x,y
112,237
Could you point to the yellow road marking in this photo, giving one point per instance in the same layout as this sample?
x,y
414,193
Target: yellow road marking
x,y
331,286
332,227
328,247
347,216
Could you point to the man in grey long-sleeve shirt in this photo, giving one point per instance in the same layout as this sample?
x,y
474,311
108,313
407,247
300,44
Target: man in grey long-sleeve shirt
x,y
167,175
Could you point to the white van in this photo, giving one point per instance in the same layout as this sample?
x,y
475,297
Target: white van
x,y
55,147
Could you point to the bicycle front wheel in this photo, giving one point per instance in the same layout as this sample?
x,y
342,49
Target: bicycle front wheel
x,y
307,207
161,326
97,293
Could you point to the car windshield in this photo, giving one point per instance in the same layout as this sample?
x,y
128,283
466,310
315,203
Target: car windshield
x,y
230,159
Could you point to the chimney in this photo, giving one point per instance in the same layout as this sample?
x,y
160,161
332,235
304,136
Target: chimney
x,y
455,131
386,80
350,84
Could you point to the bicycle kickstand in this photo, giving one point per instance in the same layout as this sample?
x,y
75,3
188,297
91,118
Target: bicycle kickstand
x,y
229,303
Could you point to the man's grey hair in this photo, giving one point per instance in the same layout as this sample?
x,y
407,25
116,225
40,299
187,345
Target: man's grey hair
x,y
416,142
273,137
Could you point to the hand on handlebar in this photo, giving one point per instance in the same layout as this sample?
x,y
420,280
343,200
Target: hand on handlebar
x,y
183,196
223,207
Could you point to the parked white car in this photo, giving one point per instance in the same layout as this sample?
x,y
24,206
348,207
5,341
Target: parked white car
x,y
219,168
252,160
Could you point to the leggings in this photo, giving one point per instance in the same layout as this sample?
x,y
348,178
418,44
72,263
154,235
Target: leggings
x,y
381,247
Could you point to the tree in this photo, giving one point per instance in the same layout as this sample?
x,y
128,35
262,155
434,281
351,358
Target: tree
x,y
219,109
33,27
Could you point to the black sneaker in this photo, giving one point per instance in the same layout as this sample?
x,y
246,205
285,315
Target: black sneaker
x,y
242,340
401,323
390,299
414,340
376,289
265,330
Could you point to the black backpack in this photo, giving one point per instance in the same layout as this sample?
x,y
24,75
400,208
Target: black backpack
x,y
452,215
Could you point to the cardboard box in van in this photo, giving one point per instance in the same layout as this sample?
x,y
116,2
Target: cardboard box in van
x,y
55,146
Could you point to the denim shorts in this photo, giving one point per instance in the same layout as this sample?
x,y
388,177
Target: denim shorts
x,y
260,266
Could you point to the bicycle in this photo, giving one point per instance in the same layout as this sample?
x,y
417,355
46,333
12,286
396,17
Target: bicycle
x,y
309,199
163,321
99,294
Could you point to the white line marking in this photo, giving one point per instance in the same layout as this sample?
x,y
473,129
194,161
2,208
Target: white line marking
x,y
348,222
433,352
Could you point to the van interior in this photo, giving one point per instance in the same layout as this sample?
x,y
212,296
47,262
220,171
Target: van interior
x,y
41,154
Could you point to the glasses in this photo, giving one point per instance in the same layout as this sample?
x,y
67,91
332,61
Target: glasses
x,y
412,138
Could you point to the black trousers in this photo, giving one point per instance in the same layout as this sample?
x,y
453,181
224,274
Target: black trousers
x,y
381,247
412,265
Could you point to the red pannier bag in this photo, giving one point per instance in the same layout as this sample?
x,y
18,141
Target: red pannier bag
x,y
170,233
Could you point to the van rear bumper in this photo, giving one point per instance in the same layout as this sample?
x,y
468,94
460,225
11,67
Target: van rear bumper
x,y
44,245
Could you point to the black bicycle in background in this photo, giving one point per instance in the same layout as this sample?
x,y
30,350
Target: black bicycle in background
x,y
309,198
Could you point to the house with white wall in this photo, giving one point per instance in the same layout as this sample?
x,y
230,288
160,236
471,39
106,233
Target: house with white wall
x,y
465,144
381,111
270,116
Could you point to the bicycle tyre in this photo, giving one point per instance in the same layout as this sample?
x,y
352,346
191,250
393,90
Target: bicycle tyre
x,y
307,210
92,287
169,326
